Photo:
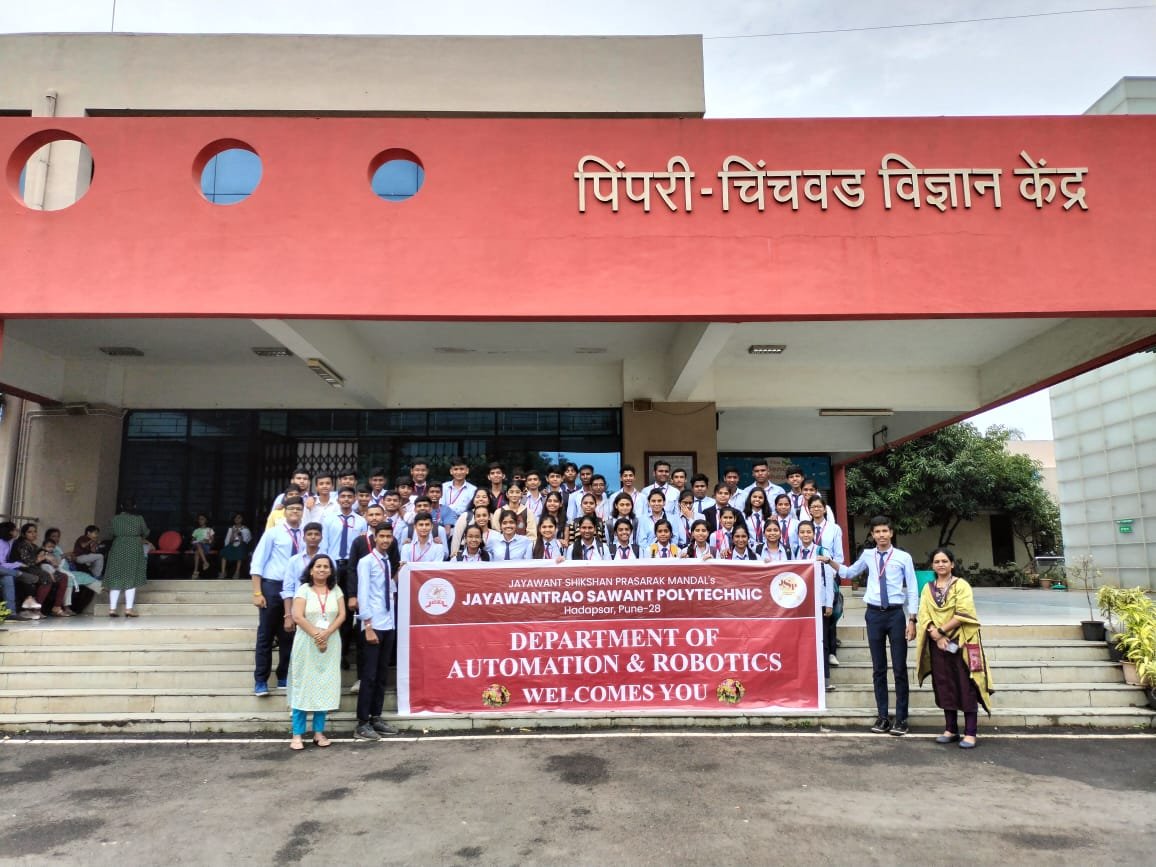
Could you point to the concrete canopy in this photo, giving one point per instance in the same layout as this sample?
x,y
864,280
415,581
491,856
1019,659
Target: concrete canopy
x,y
924,373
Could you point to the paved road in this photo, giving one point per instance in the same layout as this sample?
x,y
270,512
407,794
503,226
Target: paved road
x,y
678,799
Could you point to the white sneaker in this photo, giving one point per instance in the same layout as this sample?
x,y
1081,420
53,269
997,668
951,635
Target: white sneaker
x,y
832,659
356,688
30,604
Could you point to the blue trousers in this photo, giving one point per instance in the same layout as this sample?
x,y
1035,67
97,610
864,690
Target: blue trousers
x,y
301,721
883,628
8,578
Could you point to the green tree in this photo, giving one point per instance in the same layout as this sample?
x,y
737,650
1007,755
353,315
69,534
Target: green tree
x,y
951,476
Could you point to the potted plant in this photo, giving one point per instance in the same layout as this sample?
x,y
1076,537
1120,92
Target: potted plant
x,y
1116,604
1085,575
1137,638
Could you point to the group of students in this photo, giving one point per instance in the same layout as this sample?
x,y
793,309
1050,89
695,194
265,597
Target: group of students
x,y
359,534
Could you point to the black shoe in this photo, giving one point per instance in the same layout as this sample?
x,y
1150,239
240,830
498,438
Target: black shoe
x,y
382,727
882,726
947,739
900,728
365,732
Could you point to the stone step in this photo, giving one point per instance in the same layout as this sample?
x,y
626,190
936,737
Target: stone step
x,y
109,632
1017,695
189,699
240,593
211,585
270,720
75,657
127,677
222,608
1005,673
1006,649
1057,631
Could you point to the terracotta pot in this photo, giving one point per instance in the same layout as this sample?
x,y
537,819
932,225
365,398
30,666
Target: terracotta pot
x,y
1130,676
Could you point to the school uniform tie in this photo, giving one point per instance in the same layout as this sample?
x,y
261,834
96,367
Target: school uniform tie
x,y
587,552
625,555
785,526
507,557
296,541
344,555
883,600
665,552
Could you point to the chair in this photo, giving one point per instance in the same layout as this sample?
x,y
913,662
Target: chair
x,y
167,556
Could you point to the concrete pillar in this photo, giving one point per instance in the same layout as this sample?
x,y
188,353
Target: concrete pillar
x,y
71,467
670,429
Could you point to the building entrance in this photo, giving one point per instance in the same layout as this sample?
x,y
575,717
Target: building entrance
x,y
176,464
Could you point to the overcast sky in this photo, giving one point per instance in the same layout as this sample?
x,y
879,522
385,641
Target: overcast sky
x,y
1048,64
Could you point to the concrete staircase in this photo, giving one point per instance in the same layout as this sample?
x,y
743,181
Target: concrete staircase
x,y
185,667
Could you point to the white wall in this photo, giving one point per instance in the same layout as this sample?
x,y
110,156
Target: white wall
x,y
560,75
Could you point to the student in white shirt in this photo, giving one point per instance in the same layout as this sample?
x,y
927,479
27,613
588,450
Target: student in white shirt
x,y
548,546
656,511
472,550
588,545
325,503
810,490
720,539
795,478
621,507
740,545
662,483
481,519
423,547
341,528
700,493
626,476
829,541
509,545
663,547
533,496
787,520
756,514
459,493
624,547
481,498
526,521
377,597
762,474
891,587
774,548
699,546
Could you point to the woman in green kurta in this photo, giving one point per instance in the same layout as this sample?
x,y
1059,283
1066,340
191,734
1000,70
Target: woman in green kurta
x,y
127,565
947,620
315,667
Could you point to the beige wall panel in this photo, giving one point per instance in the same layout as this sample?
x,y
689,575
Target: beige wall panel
x,y
670,428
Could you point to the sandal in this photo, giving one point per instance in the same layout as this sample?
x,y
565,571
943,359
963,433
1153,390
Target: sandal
x,y
321,741
295,743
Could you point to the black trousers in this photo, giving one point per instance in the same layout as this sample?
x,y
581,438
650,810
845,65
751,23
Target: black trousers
x,y
270,625
373,669
888,627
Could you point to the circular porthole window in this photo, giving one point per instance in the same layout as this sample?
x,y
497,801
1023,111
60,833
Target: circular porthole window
x,y
228,171
396,175
50,171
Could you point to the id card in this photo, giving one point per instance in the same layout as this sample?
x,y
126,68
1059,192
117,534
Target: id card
x,y
323,623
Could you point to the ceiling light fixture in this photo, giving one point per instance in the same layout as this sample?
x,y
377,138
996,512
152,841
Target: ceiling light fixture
x,y
767,348
122,351
856,412
327,373
271,352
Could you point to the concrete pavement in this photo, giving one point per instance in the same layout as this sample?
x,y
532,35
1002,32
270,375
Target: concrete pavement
x,y
671,798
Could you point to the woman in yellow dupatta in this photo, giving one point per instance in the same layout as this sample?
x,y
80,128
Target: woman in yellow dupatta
x,y
947,618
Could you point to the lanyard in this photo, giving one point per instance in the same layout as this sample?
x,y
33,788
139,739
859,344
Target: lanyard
x,y
322,601
883,561
415,554
294,538
587,553
453,496
819,533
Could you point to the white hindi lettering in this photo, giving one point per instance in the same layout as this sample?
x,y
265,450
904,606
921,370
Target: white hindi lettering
x,y
1038,185
940,188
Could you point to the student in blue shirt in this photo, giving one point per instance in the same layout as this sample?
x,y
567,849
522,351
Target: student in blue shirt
x,y
623,548
377,597
510,545
272,570
891,586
